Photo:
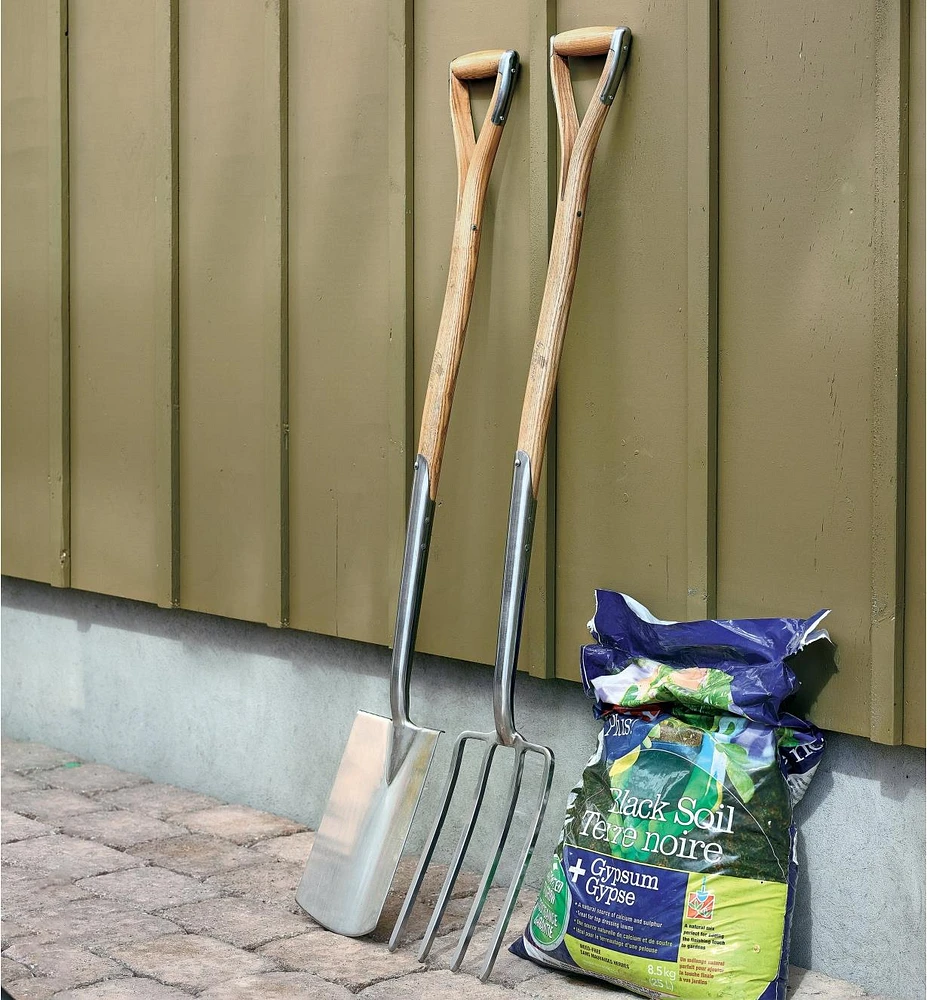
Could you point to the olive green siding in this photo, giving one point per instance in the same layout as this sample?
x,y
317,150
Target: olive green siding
x,y
809,334
231,258
623,471
33,325
225,248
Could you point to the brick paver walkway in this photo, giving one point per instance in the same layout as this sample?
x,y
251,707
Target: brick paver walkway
x,y
114,886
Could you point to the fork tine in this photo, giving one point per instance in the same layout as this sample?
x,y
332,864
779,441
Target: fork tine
x,y
490,870
508,906
425,859
463,843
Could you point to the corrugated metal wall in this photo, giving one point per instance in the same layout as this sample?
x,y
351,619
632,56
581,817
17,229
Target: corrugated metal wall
x,y
226,233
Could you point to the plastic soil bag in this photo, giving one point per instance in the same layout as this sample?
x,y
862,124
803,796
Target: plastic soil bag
x,y
675,871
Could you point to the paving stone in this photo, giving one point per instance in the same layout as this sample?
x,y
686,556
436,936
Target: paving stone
x,y
465,884
70,963
558,986
51,805
198,855
14,783
189,961
438,986
294,848
18,755
351,962
88,778
455,914
132,988
66,856
240,824
149,888
277,986
804,984
120,828
38,988
92,922
274,882
10,971
160,801
10,930
508,970
25,890
15,827
240,922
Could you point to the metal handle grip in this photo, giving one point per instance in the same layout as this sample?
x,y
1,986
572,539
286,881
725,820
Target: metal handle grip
x,y
486,64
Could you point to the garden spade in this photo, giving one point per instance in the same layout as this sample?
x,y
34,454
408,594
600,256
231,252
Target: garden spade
x,y
380,779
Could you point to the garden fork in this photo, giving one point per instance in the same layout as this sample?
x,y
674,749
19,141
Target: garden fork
x,y
577,148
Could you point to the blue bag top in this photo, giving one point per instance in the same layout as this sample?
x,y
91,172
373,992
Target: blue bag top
x,y
735,666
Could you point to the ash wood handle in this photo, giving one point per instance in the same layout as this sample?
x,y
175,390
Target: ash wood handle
x,y
477,65
578,145
475,159
582,42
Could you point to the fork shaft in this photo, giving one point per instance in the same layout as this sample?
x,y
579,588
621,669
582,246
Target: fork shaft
x,y
514,585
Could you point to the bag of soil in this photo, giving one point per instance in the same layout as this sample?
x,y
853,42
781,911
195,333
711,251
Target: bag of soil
x,y
675,871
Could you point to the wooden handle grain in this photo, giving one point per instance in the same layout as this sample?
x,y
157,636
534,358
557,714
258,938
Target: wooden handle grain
x,y
474,163
477,65
583,42
578,146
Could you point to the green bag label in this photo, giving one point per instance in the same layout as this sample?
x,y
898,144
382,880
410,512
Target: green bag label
x,y
671,879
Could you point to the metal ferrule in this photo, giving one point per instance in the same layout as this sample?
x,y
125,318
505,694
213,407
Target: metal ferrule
x,y
414,560
508,70
514,584
621,49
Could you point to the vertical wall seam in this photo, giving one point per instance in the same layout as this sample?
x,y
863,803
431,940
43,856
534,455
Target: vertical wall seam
x,y
702,308
888,383
276,609
59,333
284,153
913,716
714,223
901,513
175,303
167,267
400,373
714,279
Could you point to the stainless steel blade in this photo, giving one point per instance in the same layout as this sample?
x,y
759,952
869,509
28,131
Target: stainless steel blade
x,y
366,822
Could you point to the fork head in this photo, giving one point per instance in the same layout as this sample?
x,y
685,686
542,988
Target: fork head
x,y
491,742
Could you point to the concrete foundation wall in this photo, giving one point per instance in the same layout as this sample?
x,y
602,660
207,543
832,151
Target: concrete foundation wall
x,y
259,716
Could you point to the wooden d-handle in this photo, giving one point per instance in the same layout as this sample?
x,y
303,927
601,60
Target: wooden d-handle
x,y
475,158
582,42
477,65
577,145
